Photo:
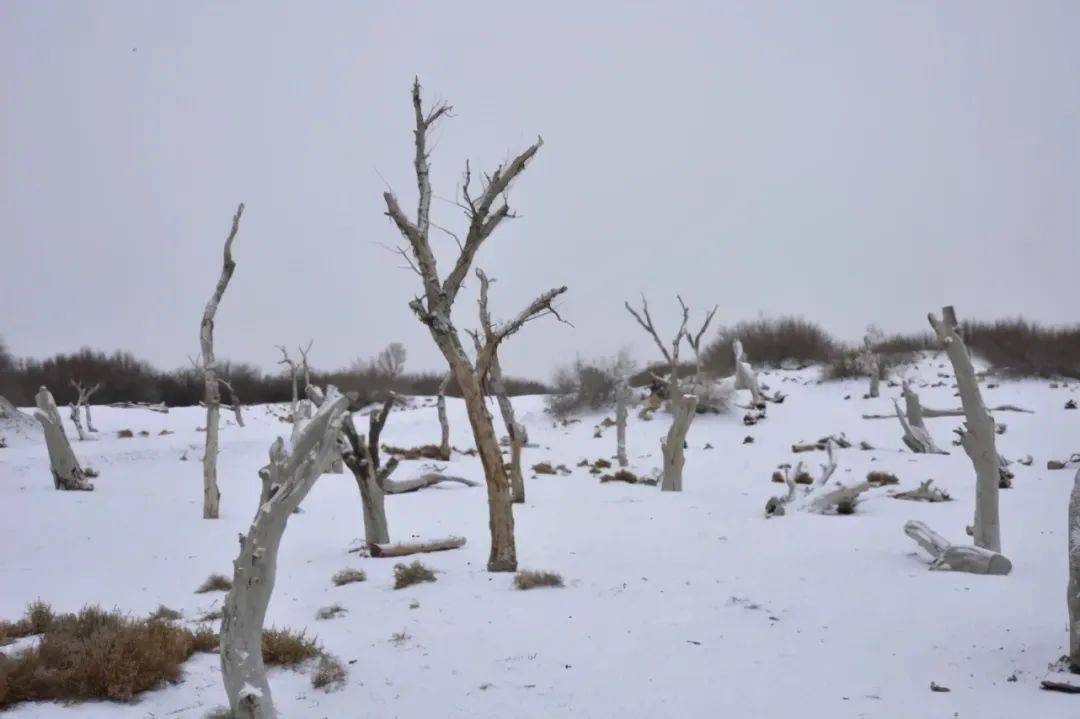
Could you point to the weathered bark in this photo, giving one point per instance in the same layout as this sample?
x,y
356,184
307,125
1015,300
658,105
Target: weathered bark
x,y
286,481
622,392
83,400
484,213
66,472
745,378
975,560
376,422
444,422
517,481
211,494
916,436
872,366
236,405
816,498
403,550
294,378
925,493
1073,590
682,411
977,436
77,422
372,497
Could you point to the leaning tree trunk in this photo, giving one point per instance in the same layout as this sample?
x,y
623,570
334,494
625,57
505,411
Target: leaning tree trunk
x,y
505,407
974,560
621,392
916,436
66,472
286,481
211,495
1073,592
683,408
744,375
444,422
977,437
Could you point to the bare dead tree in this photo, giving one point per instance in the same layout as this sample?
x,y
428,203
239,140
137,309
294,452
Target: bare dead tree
x,y
977,435
83,400
683,406
285,482
916,436
870,362
369,480
390,363
293,370
694,340
234,399
444,421
484,212
211,495
1073,591
75,420
622,396
66,471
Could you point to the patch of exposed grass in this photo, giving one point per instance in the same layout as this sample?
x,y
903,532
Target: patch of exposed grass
x,y
348,576
287,648
529,579
881,479
38,618
399,638
96,655
406,575
163,613
330,612
329,674
215,583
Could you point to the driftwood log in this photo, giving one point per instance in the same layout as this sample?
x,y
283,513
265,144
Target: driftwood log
x,y
407,548
974,560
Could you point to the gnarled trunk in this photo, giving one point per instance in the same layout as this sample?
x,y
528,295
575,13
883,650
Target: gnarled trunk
x,y
517,481
683,407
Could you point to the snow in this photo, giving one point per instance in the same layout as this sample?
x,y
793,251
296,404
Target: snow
x,y
677,604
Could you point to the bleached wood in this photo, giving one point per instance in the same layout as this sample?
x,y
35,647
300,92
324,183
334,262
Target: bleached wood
x,y
428,479
444,422
355,452
294,374
211,494
622,392
977,435
485,213
745,377
66,471
286,481
405,549
1073,589
671,446
974,560
916,436
83,400
75,420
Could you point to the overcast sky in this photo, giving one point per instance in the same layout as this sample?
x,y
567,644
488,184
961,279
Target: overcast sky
x,y
851,162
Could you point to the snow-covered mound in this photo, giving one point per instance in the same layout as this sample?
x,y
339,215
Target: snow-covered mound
x,y
688,604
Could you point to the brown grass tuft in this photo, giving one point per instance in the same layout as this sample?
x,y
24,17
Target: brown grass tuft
x,y
529,579
166,614
329,674
215,583
348,576
406,575
880,479
287,648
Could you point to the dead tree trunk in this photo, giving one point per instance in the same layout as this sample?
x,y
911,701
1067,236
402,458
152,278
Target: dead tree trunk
x,y
977,436
745,378
211,495
975,560
916,436
83,400
444,422
66,472
517,481
872,366
1073,591
622,391
234,399
76,421
286,481
484,213
372,497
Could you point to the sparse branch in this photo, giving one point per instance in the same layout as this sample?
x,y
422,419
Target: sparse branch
x,y
645,320
538,307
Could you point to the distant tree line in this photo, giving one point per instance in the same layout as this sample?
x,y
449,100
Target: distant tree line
x,y
125,378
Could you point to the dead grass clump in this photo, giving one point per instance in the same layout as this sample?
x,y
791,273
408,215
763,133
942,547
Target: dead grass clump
x,y
880,479
348,576
125,434
777,477
165,614
803,478
287,648
426,451
543,468
602,464
406,575
330,612
529,579
215,583
37,620
623,475
329,674
96,655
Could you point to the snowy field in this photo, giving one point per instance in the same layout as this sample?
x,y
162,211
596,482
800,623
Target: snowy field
x,y
684,604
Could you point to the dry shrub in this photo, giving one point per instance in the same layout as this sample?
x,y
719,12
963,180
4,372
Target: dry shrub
x,y
329,674
125,434
37,620
529,579
287,648
587,385
406,575
622,475
165,614
348,576
330,612
543,468
215,583
881,479
426,451
769,341
97,655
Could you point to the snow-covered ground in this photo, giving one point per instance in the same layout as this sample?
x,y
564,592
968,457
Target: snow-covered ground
x,y
684,604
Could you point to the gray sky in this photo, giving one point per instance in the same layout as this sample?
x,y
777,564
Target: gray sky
x,y
852,162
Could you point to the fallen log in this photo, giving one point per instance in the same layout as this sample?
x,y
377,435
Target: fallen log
x,y
925,493
407,548
974,560
393,486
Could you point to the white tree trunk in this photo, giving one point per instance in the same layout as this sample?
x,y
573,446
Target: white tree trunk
x,y
975,560
517,481
76,421
66,472
621,395
683,408
745,378
444,422
977,437
404,550
1073,591
286,481
916,435
211,495
372,497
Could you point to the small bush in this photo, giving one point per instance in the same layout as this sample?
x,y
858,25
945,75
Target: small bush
x,y
37,620
329,674
406,575
163,613
587,385
215,583
769,341
399,638
528,579
330,612
881,479
543,468
348,576
622,475
97,655
287,648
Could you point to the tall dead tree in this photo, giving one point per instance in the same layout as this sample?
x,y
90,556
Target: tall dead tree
x,y
83,400
444,421
211,495
515,431
622,397
682,406
869,360
484,213
1073,591
285,482
977,435
66,471
293,370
